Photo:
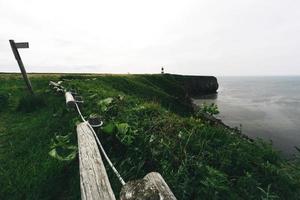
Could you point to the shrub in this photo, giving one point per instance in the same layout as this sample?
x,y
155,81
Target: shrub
x,y
211,109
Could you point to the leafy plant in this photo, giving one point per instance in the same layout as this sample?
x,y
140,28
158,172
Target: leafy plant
x,y
215,183
62,149
210,109
125,134
111,105
105,104
109,128
268,195
121,130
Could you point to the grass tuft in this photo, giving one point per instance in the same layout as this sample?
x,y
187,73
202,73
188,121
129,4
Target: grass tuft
x,y
4,97
30,103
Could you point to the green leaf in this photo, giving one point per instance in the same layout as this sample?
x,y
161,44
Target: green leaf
x,y
70,155
93,96
61,149
122,128
63,138
121,97
104,104
109,128
125,134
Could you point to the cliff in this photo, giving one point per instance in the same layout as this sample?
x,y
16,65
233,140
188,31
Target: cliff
x,y
197,85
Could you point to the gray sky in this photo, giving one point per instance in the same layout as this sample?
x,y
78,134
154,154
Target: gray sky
x,y
232,37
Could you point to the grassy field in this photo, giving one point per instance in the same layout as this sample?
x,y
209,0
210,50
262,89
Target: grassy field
x,y
149,125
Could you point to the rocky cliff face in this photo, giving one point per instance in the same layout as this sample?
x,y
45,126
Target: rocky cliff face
x,y
198,85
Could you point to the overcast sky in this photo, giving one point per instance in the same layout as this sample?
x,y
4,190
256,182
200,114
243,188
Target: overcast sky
x,y
232,37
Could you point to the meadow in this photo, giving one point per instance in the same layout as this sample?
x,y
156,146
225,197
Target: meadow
x,y
149,125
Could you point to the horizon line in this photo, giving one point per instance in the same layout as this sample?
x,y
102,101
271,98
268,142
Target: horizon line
x,y
107,73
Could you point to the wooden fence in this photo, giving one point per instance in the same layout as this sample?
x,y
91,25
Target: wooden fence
x,y
94,182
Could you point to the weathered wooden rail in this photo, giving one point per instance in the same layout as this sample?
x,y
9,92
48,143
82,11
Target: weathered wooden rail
x,y
163,189
152,187
94,182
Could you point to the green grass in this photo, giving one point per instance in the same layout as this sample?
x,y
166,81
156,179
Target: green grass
x,y
154,129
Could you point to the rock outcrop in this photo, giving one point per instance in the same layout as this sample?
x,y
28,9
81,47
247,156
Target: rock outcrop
x,y
197,85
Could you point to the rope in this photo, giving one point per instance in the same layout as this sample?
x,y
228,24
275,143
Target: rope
x,y
101,147
95,135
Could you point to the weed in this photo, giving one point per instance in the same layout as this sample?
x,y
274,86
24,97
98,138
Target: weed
x,y
210,109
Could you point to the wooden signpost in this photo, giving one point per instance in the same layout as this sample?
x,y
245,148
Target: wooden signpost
x,y
15,47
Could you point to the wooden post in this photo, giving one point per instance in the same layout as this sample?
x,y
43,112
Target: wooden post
x,y
14,46
70,101
57,87
151,187
160,184
94,182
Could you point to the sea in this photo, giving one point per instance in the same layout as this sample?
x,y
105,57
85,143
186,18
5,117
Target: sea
x,y
262,107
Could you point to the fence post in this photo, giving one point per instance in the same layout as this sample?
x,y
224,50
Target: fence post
x,y
151,187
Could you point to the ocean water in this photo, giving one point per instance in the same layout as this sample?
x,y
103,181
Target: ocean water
x,y
264,107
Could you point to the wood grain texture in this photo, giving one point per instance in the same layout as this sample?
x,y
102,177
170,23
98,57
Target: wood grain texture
x,y
94,182
151,187
139,189
165,192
